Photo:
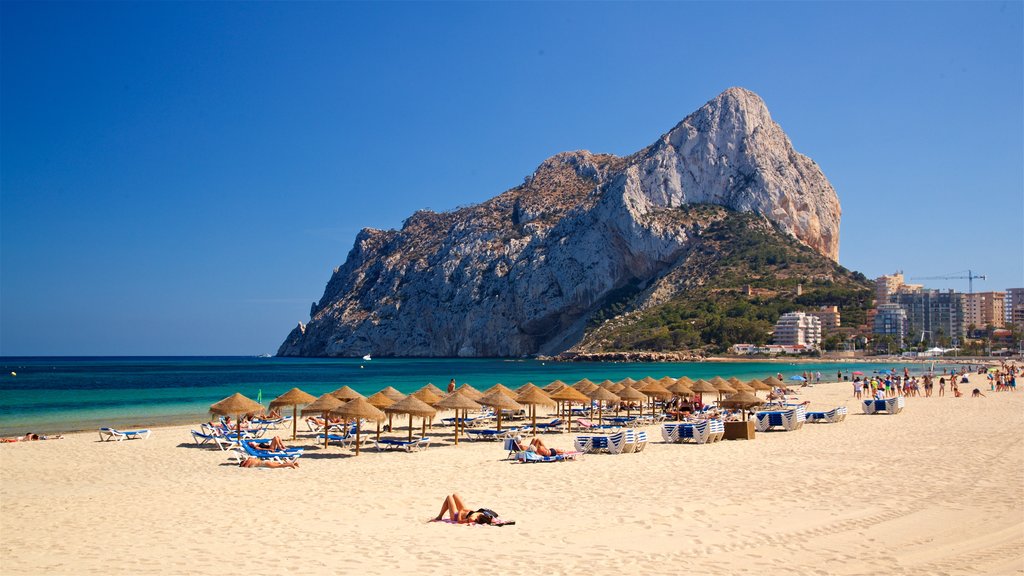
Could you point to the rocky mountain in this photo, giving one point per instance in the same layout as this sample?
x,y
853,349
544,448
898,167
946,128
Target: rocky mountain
x,y
524,272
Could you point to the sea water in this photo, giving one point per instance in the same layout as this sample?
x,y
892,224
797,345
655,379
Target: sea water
x,y
45,395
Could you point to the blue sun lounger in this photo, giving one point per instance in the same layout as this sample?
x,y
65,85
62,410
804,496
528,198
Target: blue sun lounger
x,y
409,446
107,434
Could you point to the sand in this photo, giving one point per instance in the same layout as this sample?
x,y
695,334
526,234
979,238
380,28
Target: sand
x,y
938,489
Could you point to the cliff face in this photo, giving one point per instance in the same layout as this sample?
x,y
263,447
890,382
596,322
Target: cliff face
x,y
522,273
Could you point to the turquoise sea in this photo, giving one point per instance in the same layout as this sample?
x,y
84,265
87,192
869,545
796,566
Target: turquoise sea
x,y
63,394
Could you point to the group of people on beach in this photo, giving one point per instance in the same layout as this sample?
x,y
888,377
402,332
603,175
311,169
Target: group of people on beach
x,y
889,384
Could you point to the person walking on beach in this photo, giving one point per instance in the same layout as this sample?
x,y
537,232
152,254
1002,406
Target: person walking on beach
x,y
451,386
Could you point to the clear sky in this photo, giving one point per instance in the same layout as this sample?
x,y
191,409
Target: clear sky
x,y
181,178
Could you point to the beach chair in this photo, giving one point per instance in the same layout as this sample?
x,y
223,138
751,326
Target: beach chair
x,y
202,438
641,441
715,430
528,456
585,424
408,446
289,455
591,444
554,425
487,433
622,442
513,446
670,432
827,417
108,434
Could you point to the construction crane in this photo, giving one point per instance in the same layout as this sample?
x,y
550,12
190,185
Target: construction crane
x,y
971,277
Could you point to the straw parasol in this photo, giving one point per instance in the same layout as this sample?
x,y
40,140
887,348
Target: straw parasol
x,y
702,387
606,384
457,401
758,385
499,386
667,381
584,385
630,395
392,393
614,388
236,405
345,394
427,395
499,400
533,396
380,400
554,387
324,405
602,397
680,389
568,395
655,390
627,381
742,401
774,382
292,398
685,380
437,391
358,409
412,406
470,392
722,387
740,386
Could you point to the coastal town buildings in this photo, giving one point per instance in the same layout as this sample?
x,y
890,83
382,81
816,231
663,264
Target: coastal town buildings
x,y
886,286
829,317
891,320
983,309
1015,306
932,314
798,329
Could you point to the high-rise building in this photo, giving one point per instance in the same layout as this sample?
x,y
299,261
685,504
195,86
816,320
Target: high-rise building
x,y
798,329
886,286
1014,301
932,313
983,309
891,320
829,317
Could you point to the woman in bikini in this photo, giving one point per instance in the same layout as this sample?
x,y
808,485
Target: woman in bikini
x,y
461,514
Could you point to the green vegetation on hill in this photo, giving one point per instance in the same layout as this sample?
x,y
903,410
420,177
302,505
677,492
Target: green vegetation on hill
x,y
731,288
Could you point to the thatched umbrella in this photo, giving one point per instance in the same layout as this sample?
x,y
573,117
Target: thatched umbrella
x,y
534,397
685,380
629,395
554,387
606,384
740,386
757,385
602,397
457,401
357,409
614,388
742,401
292,398
667,381
722,387
499,386
236,405
655,390
345,393
427,395
627,381
702,387
774,382
499,400
380,400
733,381
568,395
681,390
470,392
395,395
437,391
324,405
584,385
412,406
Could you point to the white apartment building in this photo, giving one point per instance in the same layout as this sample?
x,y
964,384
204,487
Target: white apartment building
x,y
798,329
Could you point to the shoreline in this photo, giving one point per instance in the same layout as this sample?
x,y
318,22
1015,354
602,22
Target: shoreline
x,y
951,503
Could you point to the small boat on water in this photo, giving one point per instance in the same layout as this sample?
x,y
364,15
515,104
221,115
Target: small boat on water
x,y
264,355
367,358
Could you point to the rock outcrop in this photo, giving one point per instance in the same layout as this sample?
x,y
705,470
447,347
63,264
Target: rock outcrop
x,y
521,273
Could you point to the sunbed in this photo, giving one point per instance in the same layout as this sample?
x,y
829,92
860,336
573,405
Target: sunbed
x,y
107,434
888,406
591,444
409,446
487,433
834,415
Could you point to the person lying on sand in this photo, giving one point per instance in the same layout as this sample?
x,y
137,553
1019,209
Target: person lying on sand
x,y
253,462
29,437
977,393
458,512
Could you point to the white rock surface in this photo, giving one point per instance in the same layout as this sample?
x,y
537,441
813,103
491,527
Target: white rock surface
x,y
521,273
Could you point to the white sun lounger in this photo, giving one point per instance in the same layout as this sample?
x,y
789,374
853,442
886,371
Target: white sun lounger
x,y
107,434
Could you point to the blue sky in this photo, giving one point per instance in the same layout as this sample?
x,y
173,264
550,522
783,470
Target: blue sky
x,y
181,178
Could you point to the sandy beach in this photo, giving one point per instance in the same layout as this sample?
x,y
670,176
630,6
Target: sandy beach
x,y
937,489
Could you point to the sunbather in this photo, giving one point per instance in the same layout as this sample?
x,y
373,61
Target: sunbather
x,y
253,462
459,512
31,436
537,445
275,445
